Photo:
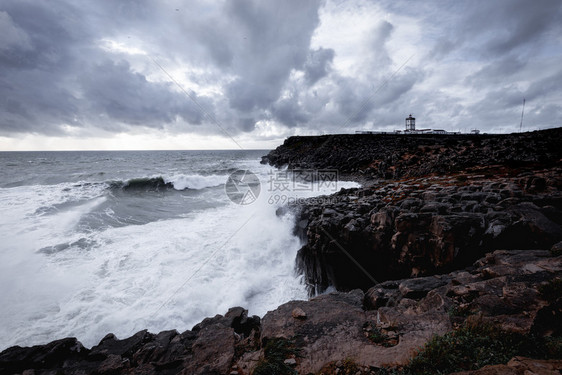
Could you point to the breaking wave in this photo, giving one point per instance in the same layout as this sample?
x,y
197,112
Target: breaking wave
x,y
176,182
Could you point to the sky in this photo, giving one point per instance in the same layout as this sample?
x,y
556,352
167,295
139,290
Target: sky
x,y
198,74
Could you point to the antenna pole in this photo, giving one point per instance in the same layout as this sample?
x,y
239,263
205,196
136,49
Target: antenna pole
x,y
522,112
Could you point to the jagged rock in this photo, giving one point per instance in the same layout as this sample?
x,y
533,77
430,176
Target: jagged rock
x,y
241,322
418,288
110,345
334,330
548,320
447,225
113,364
503,288
298,313
556,249
157,350
290,362
209,348
458,197
52,355
534,228
398,156
213,350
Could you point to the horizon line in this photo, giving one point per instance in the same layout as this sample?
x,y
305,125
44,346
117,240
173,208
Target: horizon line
x,y
141,150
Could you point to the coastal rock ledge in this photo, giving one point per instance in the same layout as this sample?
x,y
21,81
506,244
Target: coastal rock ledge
x,y
423,226
381,328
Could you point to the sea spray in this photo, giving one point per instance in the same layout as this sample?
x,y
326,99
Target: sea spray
x,y
84,258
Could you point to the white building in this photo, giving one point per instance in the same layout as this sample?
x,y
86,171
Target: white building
x,y
411,129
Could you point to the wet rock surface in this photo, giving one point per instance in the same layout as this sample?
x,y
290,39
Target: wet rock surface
x,y
209,348
429,203
398,156
422,226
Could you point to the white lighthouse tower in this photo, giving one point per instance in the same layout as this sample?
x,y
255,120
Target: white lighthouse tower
x,y
410,124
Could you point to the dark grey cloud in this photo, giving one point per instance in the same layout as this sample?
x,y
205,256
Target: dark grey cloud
x,y
246,124
90,66
513,24
505,52
359,101
289,112
276,40
12,36
318,64
545,86
54,75
497,71
113,91
46,35
492,29
34,66
379,38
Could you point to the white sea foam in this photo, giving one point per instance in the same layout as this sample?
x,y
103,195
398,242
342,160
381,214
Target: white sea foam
x,y
182,181
166,274
31,284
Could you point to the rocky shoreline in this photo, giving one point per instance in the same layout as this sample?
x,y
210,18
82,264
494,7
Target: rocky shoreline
x,y
366,157
448,233
426,225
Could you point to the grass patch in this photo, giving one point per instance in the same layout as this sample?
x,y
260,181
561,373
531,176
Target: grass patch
x,y
471,348
349,366
456,311
276,351
377,336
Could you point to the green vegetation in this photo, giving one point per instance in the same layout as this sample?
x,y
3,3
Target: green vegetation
x,y
377,336
472,347
349,366
276,351
458,311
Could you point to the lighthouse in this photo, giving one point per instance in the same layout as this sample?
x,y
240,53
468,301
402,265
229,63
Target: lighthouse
x,y
410,123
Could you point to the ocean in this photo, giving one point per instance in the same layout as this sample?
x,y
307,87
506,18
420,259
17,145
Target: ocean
x,y
93,242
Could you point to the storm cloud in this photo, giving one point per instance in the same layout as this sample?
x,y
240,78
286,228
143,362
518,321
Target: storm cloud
x,y
257,68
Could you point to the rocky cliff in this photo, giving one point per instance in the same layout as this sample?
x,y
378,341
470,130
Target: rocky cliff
x,y
426,225
398,156
430,203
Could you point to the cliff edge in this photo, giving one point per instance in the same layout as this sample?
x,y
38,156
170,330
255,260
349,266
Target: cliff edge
x,y
388,156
